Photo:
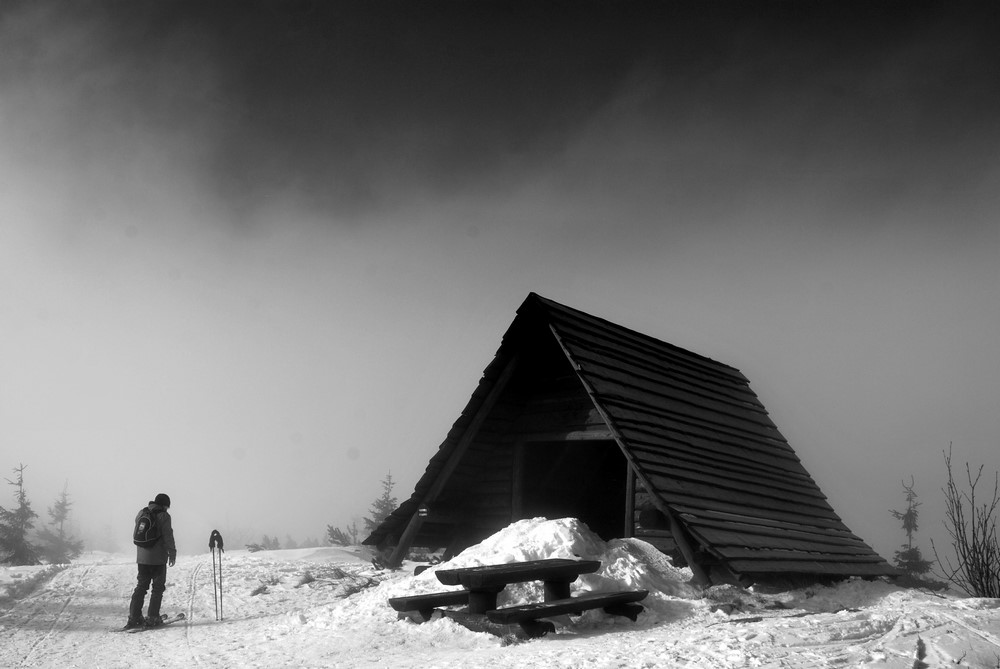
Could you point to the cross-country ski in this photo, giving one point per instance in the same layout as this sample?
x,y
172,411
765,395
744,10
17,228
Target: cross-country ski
x,y
165,621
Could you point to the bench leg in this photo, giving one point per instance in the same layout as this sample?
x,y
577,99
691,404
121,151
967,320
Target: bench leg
x,y
630,611
481,601
534,629
556,590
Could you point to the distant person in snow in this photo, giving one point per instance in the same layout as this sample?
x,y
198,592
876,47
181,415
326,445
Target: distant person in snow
x,y
153,536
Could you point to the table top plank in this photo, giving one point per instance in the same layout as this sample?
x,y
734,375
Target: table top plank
x,y
491,576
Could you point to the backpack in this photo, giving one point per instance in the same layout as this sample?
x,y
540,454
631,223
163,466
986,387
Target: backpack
x,y
146,531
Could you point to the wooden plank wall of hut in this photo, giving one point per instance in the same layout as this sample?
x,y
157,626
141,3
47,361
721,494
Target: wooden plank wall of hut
x,y
559,409
478,496
544,402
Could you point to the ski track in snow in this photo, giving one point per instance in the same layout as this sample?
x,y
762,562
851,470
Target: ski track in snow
x,y
55,617
45,639
192,589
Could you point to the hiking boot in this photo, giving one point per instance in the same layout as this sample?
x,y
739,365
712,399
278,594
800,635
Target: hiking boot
x,y
133,623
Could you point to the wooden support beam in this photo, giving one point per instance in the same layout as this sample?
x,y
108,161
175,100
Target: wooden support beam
x,y
406,539
457,453
701,576
629,502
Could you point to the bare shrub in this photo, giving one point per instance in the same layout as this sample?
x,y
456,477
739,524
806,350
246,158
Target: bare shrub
x,y
972,525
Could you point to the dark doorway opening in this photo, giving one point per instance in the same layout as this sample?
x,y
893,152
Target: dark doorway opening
x,y
577,479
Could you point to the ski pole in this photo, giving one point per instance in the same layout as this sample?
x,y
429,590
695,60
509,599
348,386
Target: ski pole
x,y
215,540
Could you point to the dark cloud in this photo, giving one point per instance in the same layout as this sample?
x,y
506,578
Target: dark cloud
x,y
345,107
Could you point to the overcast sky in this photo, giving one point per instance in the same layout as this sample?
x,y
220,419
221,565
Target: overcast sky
x,y
257,255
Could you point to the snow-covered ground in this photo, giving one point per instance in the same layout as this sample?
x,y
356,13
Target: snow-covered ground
x,y
327,608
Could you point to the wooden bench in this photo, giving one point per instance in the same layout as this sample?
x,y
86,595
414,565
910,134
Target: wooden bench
x,y
424,605
620,603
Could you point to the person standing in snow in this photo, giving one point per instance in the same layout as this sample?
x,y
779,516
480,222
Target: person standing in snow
x,y
152,564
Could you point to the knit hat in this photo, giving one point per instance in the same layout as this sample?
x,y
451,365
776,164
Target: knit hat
x,y
162,500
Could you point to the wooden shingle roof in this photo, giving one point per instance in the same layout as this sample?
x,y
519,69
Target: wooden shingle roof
x,y
698,440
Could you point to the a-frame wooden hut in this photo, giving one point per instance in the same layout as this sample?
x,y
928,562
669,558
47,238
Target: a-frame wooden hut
x,y
579,417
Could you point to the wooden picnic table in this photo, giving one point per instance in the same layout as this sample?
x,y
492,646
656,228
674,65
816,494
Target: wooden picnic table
x,y
481,585
485,582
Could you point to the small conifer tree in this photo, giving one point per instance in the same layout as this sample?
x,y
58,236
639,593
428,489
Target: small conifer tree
x,y
383,506
909,559
345,537
16,525
336,536
57,546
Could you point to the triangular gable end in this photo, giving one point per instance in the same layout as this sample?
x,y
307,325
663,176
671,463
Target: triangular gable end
x,y
675,443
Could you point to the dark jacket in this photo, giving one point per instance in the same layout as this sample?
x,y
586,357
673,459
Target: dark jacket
x,y
163,550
